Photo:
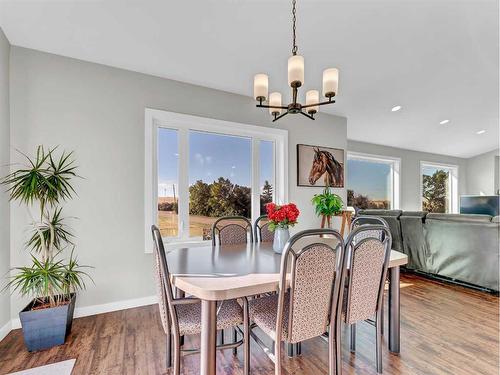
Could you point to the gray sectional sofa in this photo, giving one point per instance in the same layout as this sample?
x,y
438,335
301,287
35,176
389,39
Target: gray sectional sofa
x,y
463,248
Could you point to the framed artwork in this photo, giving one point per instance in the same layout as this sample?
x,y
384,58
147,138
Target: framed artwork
x,y
320,166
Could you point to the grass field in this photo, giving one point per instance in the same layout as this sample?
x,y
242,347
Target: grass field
x,y
198,225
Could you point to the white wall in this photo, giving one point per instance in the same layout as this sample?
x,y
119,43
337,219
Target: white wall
x,y
482,174
98,111
410,169
4,169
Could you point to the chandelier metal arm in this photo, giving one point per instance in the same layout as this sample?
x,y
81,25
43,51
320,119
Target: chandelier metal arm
x,y
320,103
276,117
294,95
271,106
308,115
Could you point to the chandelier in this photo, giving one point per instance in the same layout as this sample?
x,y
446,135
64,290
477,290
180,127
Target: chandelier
x,y
295,80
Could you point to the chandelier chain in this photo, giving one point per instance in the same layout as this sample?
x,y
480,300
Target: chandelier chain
x,y
294,19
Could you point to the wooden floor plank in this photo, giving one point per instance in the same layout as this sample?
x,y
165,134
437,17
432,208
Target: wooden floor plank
x,y
445,329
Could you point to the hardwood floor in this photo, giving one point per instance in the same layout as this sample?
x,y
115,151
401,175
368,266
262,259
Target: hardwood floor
x,y
444,330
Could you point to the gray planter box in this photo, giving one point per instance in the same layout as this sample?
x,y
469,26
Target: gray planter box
x,y
45,328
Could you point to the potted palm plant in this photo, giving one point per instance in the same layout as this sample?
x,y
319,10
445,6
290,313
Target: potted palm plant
x,y
54,274
327,205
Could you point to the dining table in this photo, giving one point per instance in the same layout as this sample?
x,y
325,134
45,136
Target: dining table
x,y
218,273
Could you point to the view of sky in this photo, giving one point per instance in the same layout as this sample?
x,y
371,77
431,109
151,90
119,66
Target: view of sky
x,y
210,156
369,178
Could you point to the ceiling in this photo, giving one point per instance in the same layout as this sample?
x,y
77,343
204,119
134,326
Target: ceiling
x,y
437,59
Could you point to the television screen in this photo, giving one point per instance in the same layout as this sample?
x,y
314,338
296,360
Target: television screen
x,y
480,204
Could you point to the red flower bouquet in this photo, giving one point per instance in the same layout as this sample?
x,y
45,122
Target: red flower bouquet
x,y
282,216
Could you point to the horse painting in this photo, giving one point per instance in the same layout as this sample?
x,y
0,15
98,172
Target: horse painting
x,y
325,169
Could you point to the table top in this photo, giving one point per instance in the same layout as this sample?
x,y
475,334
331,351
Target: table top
x,y
226,272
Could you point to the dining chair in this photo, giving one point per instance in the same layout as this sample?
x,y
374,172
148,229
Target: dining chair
x,y
368,250
261,232
357,222
310,306
182,316
232,230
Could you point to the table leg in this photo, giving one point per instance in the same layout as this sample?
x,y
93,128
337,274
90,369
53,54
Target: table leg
x,y
208,337
394,310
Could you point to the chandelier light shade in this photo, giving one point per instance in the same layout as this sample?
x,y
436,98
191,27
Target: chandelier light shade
x,y
312,97
260,86
296,71
275,103
295,80
330,82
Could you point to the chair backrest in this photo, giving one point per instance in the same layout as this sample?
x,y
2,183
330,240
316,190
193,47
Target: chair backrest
x,y
261,230
162,276
368,250
368,220
314,289
232,230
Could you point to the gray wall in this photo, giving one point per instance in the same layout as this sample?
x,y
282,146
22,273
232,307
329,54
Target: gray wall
x,y
410,169
482,173
4,169
98,111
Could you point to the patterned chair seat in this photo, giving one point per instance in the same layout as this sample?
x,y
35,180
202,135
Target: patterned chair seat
x,y
189,316
264,310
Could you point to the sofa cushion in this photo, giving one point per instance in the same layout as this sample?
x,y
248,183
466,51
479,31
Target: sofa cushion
x,y
421,214
412,233
459,217
395,213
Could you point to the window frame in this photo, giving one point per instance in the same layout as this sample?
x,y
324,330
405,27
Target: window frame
x,y
155,119
395,164
453,183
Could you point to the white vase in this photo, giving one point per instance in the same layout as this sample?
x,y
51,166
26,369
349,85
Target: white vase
x,y
281,235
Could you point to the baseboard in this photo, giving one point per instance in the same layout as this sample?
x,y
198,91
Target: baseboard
x,y
95,309
4,331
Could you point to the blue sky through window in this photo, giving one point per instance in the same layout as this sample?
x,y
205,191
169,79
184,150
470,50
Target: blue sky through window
x,y
210,156
369,178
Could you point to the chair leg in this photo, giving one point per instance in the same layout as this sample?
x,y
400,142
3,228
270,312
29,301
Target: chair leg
x,y
169,350
221,337
235,338
353,338
332,350
338,348
277,357
382,318
246,338
378,328
177,355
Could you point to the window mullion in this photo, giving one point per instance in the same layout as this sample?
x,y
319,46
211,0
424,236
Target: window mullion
x,y
255,183
183,183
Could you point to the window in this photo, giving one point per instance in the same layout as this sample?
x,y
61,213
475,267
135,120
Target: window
x,y
439,187
199,169
168,182
372,181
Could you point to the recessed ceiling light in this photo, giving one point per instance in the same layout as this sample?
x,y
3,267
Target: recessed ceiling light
x,y
481,131
444,122
396,108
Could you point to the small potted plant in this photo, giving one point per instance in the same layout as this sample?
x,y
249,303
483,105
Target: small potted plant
x,y
327,205
51,279
280,219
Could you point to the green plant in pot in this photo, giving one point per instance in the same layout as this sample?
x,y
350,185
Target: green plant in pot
x,y
326,205
54,274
